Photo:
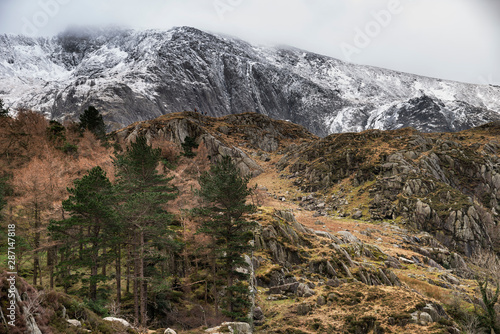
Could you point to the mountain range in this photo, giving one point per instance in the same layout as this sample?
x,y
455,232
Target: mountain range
x,y
139,75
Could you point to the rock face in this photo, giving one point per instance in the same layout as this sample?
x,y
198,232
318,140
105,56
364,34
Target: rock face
x,y
291,245
448,185
176,129
137,75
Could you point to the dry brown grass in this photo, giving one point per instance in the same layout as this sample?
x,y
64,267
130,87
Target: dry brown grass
x,y
351,302
432,291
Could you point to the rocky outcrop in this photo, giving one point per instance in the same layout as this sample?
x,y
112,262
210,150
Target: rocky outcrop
x,y
176,129
292,246
447,185
216,149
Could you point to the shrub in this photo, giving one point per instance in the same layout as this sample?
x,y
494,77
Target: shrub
x,y
69,148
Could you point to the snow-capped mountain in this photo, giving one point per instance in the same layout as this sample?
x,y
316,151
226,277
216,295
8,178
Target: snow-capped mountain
x,y
137,75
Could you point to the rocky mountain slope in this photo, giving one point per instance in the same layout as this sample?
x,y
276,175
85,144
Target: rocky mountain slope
x,y
137,75
446,184
373,232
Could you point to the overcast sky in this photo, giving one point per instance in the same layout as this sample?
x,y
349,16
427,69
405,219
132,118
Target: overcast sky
x,y
448,39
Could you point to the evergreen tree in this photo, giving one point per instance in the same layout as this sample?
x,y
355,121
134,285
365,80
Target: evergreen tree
x,y
91,120
144,191
56,132
92,224
188,145
225,192
4,112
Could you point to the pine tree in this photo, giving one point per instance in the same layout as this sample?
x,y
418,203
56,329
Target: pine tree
x,y
143,193
225,192
92,223
91,120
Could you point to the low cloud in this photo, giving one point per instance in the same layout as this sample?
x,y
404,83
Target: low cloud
x,y
449,39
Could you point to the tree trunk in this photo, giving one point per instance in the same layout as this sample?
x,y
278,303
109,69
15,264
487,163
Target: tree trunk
x,y
142,281
118,270
136,284
51,273
214,277
40,272
51,262
129,259
229,291
63,271
104,262
36,245
93,283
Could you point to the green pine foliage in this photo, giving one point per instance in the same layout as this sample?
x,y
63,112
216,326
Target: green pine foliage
x,y
143,194
91,120
138,176
56,132
92,227
225,192
188,145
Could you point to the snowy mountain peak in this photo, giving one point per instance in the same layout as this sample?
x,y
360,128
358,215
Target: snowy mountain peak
x,y
136,75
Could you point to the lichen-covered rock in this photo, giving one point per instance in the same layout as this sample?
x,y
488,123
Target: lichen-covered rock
x,y
122,321
74,322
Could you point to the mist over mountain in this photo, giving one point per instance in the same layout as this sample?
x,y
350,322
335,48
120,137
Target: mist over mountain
x,y
138,75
